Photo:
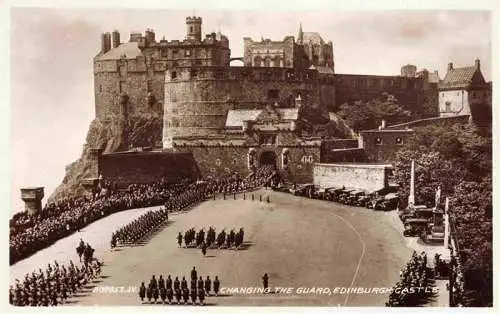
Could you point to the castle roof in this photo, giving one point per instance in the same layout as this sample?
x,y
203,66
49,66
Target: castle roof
x,y
129,50
313,37
458,78
236,117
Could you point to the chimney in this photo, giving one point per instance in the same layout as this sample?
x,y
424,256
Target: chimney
x,y
477,64
105,42
116,38
450,66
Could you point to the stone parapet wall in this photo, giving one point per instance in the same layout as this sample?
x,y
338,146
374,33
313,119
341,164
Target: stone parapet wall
x,y
147,167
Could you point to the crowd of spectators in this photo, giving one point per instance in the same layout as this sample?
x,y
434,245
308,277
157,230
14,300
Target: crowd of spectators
x,y
30,233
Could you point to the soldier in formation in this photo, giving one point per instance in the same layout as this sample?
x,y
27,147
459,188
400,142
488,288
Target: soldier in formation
x,y
54,285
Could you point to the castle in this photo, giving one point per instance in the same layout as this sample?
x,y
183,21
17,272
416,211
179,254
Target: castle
x,y
277,108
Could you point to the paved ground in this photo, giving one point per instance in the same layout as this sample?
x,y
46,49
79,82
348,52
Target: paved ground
x,y
299,242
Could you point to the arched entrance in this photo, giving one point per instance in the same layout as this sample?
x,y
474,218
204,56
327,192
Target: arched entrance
x,y
267,158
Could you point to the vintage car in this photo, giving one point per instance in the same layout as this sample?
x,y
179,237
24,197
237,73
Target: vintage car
x,y
354,196
415,227
344,196
320,193
387,202
364,200
305,190
332,194
435,235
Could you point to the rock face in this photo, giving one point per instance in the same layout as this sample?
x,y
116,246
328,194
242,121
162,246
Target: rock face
x,y
112,135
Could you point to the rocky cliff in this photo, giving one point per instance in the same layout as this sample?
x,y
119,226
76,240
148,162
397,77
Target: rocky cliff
x,y
112,135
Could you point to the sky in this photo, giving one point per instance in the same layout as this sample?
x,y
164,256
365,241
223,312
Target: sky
x,y
52,97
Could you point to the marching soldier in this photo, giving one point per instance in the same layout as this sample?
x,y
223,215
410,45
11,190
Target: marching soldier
x,y
193,295
179,239
201,296
208,285
204,248
184,284
177,283
178,295
194,274
185,295
169,282
200,284
161,282
142,291
216,285
265,281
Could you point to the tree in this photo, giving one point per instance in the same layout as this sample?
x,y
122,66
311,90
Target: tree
x,y
362,115
458,159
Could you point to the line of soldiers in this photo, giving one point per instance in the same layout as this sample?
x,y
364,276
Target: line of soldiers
x,y
415,274
222,240
180,201
139,227
166,289
54,285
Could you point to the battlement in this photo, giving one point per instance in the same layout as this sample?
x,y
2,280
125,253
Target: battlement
x,y
193,19
183,74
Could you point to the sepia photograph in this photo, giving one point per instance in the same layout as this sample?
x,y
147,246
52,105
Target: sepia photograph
x,y
190,157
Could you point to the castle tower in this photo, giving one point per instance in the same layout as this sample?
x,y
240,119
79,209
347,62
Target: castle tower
x,y
32,198
193,28
408,70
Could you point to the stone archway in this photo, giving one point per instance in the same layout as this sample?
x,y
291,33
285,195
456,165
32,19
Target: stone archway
x,y
268,158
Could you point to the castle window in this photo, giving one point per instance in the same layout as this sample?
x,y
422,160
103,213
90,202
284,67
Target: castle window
x,y
448,106
173,75
375,83
442,94
378,141
198,63
187,52
399,141
273,94
194,73
149,86
190,29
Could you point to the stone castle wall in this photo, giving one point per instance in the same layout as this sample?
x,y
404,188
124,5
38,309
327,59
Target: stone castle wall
x,y
197,100
409,91
358,176
133,77
217,161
